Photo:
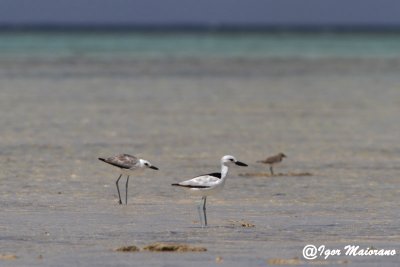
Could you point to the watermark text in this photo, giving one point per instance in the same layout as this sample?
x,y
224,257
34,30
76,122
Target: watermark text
x,y
311,252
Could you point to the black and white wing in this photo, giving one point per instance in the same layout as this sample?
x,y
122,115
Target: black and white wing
x,y
202,181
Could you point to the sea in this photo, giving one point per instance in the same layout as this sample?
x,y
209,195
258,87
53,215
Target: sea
x,y
178,44
328,100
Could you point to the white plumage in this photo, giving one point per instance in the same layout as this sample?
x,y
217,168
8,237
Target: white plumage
x,y
209,184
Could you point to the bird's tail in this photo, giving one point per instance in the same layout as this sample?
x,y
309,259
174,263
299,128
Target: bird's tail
x,y
102,159
175,184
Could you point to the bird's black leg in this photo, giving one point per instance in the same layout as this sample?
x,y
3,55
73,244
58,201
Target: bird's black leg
x,y
198,209
119,195
126,188
271,169
204,211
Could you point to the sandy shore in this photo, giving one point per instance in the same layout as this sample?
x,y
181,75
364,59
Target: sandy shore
x,y
336,119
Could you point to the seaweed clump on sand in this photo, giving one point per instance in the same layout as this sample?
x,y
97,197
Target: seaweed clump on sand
x,y
297,261
8,257
278,261
243,223
247,224
128,249
162,247
172,247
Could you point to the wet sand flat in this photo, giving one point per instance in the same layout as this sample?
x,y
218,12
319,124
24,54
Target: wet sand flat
x,y
335,119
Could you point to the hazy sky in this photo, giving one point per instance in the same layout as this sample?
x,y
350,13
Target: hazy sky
x,y
210,12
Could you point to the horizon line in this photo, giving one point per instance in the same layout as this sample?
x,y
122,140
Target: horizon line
x,y
197,27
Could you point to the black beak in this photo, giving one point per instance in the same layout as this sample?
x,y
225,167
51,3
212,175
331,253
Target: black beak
x,y
153,167
241,164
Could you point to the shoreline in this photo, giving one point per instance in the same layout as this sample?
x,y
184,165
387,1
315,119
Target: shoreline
x,y
194,66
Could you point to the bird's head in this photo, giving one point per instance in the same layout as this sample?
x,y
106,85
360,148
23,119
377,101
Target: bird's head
x,y
227,160
147,164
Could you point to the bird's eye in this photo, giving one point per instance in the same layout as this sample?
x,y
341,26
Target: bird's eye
x,y
231,159
146,164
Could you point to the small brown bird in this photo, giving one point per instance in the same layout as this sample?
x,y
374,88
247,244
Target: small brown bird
x,y
273,160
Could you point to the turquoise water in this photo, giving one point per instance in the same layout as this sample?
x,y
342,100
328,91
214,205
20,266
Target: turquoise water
x,y
139,44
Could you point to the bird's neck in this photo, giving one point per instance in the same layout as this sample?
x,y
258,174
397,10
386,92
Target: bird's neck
x,y
141,163
224,171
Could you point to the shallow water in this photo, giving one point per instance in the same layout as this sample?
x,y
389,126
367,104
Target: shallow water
x,y
334,118
142,44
